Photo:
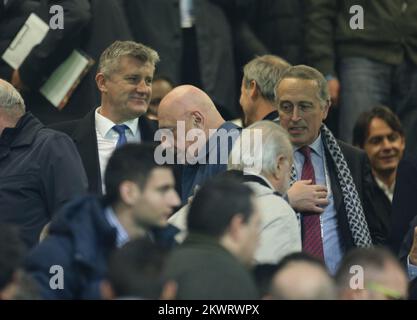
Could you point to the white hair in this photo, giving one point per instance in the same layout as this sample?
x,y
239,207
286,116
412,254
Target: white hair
x,y
10,99
247,152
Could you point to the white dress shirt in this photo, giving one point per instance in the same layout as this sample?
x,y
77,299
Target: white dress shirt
x,y
389,191
107,138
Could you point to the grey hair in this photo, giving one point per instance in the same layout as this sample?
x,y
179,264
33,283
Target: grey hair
x,y
110,57
304,72
265,71
10,99
275,142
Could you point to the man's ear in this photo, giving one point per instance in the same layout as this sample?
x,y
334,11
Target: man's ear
x,y
101,82
129,192
235,226
253,90
279,165
198,119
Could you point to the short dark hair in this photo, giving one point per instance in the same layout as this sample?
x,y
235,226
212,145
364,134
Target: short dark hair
x,y
12,252
136,269
132,162
361,129
367,258
216,203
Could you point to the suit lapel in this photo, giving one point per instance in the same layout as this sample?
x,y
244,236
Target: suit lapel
x,y
147,128
86,140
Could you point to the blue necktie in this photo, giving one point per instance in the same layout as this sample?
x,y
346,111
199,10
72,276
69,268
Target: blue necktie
x,y
120,129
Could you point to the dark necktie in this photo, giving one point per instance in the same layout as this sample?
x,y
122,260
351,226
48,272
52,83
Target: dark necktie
x,y
120,129
312,240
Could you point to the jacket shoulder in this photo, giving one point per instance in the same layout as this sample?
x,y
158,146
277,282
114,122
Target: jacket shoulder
x,y
76,127
67,127
348,149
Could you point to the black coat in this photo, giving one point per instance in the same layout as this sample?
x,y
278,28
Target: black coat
x,y
40,170
205,270
381,205
83,133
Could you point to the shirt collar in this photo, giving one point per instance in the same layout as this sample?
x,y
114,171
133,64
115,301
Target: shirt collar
x,y
104,125
121,234
263,178
316,146
272,116
389,191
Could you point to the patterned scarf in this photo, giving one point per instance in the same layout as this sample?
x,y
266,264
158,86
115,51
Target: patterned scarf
x,y
356,218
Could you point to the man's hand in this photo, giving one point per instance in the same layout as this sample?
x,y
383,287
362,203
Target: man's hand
x,y
306,197
334,90
413,251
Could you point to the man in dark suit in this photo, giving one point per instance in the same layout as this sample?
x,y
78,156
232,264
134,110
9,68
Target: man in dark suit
x,y
340,173
124,79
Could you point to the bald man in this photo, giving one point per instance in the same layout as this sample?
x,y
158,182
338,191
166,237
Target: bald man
x,y
301,277
202,139
40,169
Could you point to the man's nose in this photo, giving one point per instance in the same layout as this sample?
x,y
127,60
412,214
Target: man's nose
x,y
142,86
295,115
387,144
174,199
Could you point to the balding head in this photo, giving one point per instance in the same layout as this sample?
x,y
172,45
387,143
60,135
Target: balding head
x,y
185,100
12,106
301,277
191,108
